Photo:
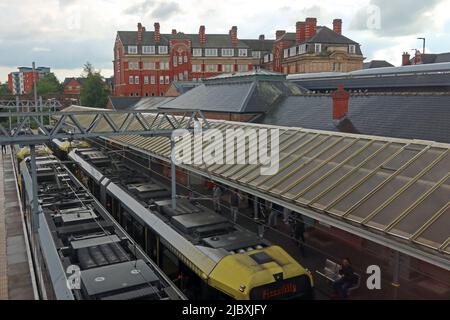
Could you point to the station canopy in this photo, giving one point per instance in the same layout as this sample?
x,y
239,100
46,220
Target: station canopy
x,y
394,187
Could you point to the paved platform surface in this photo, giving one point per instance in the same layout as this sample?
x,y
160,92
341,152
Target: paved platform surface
x,y
15,278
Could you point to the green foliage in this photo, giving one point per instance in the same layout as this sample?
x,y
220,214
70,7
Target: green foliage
x,y
48,84
4,90
94,91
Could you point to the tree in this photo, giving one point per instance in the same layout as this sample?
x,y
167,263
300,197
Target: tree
x,y
4,90
94,92
48,84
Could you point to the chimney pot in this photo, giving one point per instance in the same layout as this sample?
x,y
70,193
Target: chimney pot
x,y
337,26
406,59
340,103
279,34
174,31
261,37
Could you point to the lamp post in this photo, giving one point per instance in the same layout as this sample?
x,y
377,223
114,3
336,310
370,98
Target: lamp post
x,y
423,40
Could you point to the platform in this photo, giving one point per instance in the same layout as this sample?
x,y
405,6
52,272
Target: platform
x,y
15,275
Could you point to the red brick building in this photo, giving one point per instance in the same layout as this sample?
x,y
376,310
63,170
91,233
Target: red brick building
x,y
21,82
312,48
72,86
146,62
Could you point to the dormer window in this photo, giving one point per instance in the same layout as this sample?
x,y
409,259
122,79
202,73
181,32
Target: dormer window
x,y
162,49
318,48
302,48
132,49
352,49
197,52
242,52
292,51
148,49
227,52
211,52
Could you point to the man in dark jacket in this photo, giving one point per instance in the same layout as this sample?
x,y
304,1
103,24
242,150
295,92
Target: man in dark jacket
x,y
348,279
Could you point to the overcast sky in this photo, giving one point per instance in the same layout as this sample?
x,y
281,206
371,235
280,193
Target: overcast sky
x,y
64,34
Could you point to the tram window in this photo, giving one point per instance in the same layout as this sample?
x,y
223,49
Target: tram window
x,y
138,233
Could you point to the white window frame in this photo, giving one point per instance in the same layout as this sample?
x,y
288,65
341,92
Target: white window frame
x,y
211,68
317,47
131,80
185,58
302,48
148,49
197,52
196,68
149,65
175,61
352,49
243,53
132,50
136,80
161,79
228,68
167,78
162,49
292,51
211,52
180,59
152,80
256,54
146,80
242,67
285,53
227,52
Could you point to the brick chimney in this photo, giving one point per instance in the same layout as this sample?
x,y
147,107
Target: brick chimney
x,y
157,33
279,34
140,32
310,28
233,35
202,36
300,31
406,59
340,103
337,26
174,31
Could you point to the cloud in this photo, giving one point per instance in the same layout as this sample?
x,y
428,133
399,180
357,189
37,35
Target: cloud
x,y
165,10
396,18
140,8
40,49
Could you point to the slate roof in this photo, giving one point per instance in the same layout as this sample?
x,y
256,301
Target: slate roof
x,y
151,103
428,58
247,92
185,86
123,103
376,64
259,45
67,80
212,40
326,35
421,116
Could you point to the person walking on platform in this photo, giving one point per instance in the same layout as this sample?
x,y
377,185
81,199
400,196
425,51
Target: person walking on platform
x,y
235,200
217,194
4,149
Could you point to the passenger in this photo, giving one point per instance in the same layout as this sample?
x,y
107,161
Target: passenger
x,y
217,195
348,279
3,148
273,216
299,232
286,215
235,200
